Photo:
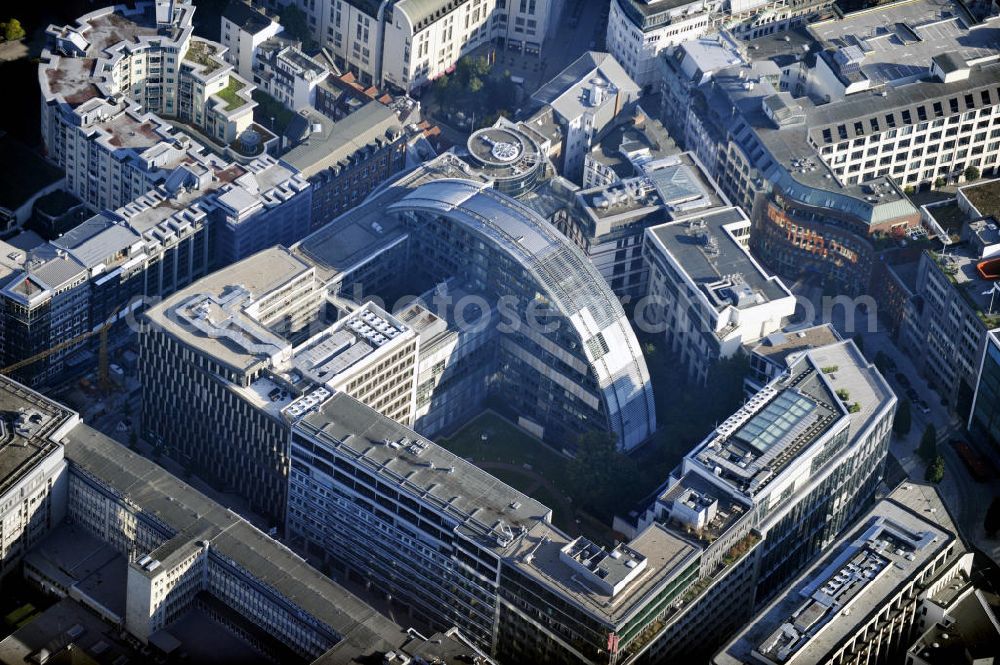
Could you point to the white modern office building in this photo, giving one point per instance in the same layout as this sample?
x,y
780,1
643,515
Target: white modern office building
x,y
708,293
886,580
586,99
408,43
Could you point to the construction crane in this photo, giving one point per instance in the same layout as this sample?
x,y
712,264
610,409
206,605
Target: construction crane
x,y
103,375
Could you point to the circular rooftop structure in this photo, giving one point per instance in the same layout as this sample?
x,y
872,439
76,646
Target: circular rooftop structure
x,y
509,157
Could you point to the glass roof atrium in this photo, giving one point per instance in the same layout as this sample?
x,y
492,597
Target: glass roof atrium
x,y
788,414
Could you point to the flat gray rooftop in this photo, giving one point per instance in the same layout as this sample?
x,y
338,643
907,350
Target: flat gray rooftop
x,y
781,345
482,506
159,494
337,141
758,443
667,556
840,591
707,252
95,641
27,422
898,40
258,274
566,92
360,233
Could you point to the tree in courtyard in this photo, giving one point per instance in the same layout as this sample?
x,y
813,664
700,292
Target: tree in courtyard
x,y
972,173
882,362
928,445
935,471
859,342
293,21
12,30
601,477
992,521
904,418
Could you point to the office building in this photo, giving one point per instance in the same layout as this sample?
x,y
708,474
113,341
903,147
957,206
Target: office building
x,y
820,172
984,421
143,549
586,99
708,293
456,367
207,214
942,37
586,372
956,310
225,339
867,597
396,512
608,222
32,480
639,31
949,307
509,154
345,159
810,446
960,624
773,355
810,217
406,44
624,150
387,508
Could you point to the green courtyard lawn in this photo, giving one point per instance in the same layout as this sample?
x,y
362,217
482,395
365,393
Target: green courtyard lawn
x,y
522,461
685,415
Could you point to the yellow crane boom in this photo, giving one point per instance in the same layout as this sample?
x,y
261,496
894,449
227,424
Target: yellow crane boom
x,y
102,352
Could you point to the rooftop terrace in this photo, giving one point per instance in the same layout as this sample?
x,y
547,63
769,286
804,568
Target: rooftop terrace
x,y
828,389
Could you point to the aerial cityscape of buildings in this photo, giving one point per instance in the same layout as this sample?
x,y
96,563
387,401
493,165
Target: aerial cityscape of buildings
x,y
601,332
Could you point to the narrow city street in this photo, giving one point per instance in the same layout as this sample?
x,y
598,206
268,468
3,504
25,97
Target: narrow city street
x,y
966,497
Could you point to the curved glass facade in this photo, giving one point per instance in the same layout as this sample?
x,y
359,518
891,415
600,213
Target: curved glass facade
x,y
569,360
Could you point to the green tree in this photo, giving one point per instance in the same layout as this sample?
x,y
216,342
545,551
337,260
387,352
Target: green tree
x,y
928,444
293,20
904,418
440,87
882,362
475,84
992,520
600,474
935,470
972,173
940,182
12,30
